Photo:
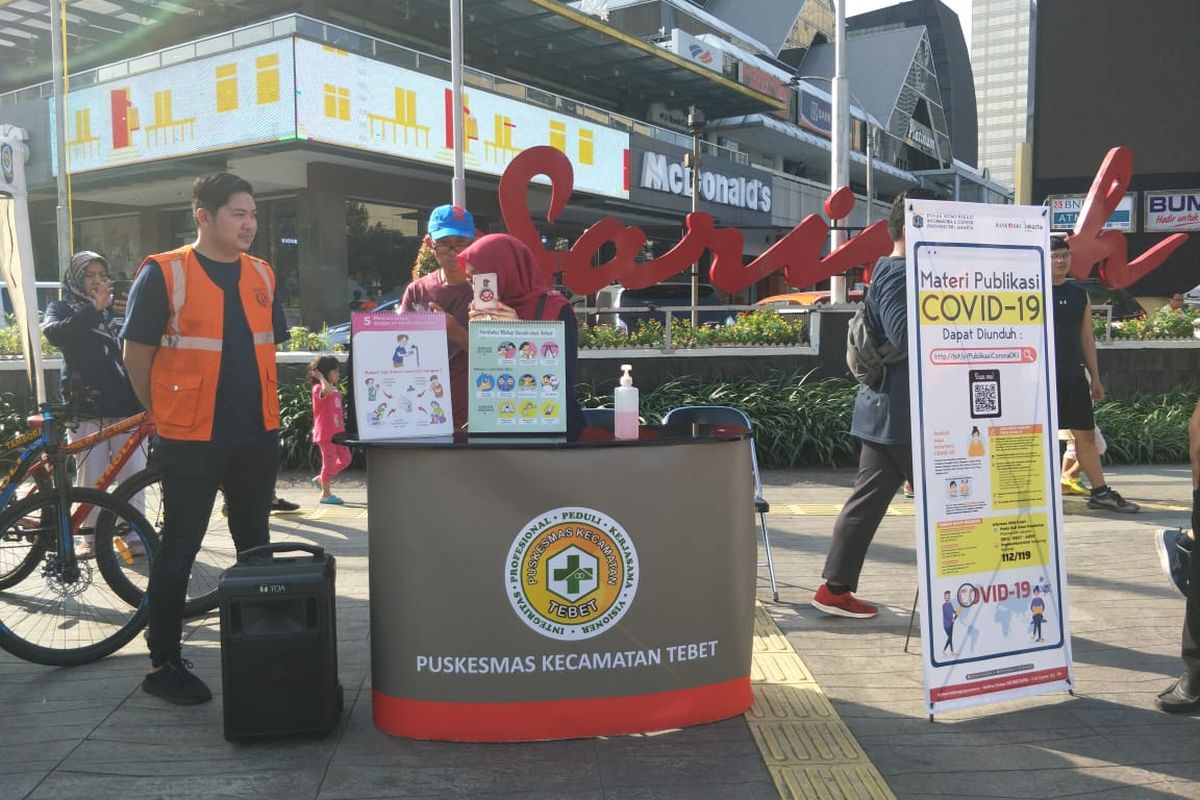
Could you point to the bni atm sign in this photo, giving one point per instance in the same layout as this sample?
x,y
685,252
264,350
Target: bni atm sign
x,y
1065,208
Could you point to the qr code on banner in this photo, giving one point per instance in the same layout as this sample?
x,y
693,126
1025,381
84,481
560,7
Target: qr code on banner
x,y
985,393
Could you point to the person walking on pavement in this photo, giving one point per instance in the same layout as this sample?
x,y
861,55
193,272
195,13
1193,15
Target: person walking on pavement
x,y
200,336
1076,362
83,327
881,421
1183,696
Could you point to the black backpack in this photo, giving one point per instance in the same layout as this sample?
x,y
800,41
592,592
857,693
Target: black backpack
x,y
865,358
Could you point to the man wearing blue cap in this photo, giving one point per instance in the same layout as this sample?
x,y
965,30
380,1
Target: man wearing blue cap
x,y
451,229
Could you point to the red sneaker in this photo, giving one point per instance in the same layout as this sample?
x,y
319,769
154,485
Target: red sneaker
x,y
842,605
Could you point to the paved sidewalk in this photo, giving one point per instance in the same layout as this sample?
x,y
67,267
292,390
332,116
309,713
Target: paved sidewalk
x,y
89,732
1106,742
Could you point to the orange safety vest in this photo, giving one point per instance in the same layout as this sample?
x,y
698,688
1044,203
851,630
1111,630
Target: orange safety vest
x,y
187,365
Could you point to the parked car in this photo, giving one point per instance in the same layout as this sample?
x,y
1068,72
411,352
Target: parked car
x,y
340,334
1124,305
610,301
779,302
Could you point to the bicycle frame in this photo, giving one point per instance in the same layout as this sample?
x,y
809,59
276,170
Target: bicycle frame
x,y
32,445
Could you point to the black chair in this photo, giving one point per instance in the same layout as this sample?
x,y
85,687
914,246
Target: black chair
x,y
727,415
599,418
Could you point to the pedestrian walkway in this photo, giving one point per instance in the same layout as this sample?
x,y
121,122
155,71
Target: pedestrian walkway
x,y
838,709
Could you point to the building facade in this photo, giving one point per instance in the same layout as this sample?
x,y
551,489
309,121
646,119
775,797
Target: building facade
x,y
1110,73
1000,52
340,118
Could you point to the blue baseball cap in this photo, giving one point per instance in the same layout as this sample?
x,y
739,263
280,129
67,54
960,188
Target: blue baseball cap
x,y
451,221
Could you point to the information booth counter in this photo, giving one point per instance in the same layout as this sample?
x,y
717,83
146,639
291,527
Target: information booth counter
x,y
544,590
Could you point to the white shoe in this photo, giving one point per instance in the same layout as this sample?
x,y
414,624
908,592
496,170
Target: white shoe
x,y
85,546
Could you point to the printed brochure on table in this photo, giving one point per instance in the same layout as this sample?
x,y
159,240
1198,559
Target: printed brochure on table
x,y
516,378
401,375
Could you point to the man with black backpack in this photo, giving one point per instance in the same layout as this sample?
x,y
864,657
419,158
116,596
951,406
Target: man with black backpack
x,y
881,421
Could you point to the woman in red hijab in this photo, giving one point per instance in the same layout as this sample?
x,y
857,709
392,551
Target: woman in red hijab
x,y
524,293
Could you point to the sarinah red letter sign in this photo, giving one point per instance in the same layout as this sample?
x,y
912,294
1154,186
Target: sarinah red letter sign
x,y
797,254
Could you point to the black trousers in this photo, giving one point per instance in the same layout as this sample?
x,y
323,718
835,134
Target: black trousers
x,y
192,473
1191,620
882,469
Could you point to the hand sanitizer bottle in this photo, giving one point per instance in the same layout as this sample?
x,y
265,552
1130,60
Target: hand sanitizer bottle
x,y
625,401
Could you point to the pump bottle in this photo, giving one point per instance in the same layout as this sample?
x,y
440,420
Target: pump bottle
x,y
625,402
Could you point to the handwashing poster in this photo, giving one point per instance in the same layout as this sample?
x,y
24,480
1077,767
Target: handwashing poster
x,y
401,375
515,377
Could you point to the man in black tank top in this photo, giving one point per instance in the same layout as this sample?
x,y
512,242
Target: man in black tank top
x,y
1075,357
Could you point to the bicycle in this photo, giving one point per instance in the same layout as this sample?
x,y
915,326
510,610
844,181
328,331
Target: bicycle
x,y
72,610
32,472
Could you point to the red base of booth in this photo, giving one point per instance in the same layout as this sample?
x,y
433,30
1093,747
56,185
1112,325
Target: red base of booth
x,y
560,719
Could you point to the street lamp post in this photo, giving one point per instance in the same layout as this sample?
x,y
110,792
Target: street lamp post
x,y
458,184
695,122
61,211
839,137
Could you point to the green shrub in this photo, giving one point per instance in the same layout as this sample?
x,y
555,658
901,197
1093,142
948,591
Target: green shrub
x,y
10,340
757,328
1147,430
301,339
801,422
1166,323
296,450
797,422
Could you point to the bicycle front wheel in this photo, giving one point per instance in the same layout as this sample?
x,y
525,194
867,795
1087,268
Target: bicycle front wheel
x,y
20,548
71,610
218,553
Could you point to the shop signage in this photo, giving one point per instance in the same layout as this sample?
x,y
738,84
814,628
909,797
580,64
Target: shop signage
x,y
661,174
762,81
1176,210
346,99
922,137
816,112
1065,208
990,551
799,254
210,104
684,45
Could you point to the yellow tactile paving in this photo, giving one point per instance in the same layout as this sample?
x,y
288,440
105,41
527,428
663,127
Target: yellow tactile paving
x,y
789,742
831,509
790,702
808,750
770,667
1072,505
328,512
831,782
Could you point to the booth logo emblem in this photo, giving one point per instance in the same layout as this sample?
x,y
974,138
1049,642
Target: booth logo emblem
x,y
571,573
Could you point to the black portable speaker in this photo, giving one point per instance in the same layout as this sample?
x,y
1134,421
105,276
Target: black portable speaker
x,y
279,643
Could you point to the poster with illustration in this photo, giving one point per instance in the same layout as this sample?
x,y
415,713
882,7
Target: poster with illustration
x,y
401,375
989,530
515,378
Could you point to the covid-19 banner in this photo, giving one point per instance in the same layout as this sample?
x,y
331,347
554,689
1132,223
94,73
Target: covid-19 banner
x,y
993,589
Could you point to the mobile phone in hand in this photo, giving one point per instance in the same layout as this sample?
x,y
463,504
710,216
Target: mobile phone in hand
x,y
484,285
120,289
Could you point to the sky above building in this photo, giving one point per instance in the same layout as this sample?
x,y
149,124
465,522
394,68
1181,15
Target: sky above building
x,y
960,7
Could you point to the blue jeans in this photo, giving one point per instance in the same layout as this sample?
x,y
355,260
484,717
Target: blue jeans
x,y
192,473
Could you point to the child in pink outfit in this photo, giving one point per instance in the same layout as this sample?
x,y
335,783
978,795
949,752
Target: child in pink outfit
x,y
324,372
